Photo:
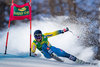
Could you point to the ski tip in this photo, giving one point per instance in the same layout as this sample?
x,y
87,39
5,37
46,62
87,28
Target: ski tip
x,y
91,63
94,64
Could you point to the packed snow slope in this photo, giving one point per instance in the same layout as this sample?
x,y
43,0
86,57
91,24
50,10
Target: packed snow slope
x,y
36,62
19,38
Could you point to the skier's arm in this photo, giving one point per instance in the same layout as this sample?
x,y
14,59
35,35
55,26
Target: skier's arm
x,y
33,47
56,32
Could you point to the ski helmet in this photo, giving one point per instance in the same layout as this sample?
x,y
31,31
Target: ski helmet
x,y
38,34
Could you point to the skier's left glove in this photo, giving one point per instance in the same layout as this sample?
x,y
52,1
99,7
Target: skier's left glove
x,y
65,29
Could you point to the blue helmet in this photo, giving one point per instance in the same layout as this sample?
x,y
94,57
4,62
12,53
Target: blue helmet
x,y
38,34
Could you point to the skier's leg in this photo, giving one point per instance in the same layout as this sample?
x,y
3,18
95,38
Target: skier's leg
x,y
62,53
48,53
45,51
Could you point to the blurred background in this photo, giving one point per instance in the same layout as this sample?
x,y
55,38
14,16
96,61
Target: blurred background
x,y
85,11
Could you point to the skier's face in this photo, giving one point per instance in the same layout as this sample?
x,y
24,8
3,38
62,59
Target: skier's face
x,y
38,37
39,40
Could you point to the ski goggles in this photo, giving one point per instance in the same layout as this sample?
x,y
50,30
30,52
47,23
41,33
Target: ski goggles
x,y
38,36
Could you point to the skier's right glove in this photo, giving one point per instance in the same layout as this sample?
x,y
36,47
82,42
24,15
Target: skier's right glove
x,y
65,30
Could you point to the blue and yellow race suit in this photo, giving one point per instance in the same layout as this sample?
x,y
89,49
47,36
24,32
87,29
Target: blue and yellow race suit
x,y
41,46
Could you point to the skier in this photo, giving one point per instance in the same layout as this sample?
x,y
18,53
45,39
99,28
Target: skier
x,y
42,44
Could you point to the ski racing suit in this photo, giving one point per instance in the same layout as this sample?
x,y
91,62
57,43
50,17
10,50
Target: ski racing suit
x,y
44,44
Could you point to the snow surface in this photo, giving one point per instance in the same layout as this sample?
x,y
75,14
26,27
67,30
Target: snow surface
x,y
35,62
18,44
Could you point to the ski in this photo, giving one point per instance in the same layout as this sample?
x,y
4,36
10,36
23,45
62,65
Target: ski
x,y
56,58
53,55
90,63
83,62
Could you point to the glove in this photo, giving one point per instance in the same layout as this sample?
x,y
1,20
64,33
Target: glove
x,y
34,54
65,29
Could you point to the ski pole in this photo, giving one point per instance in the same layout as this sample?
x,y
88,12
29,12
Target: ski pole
x,y
73,34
